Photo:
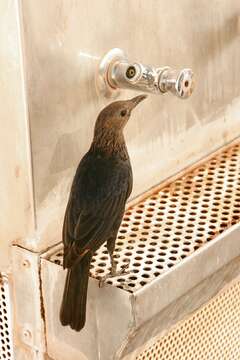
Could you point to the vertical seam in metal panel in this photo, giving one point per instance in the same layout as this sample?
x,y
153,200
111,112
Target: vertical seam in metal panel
x,y
131,331
42,309
19,17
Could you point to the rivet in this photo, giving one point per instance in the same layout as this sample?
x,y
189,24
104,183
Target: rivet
x,y
26,263
27,334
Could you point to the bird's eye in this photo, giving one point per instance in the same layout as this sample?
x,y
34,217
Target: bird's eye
x,y
123,113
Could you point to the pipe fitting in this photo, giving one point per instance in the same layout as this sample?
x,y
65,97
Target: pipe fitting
x,y
116,72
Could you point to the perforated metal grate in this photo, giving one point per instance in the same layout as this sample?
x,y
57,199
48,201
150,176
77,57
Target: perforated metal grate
x,y
6,351
174,221
213,332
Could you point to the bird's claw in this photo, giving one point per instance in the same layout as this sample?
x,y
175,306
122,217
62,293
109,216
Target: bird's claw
x,y
113,273
124,270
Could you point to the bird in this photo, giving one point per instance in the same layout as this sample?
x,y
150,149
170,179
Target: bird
x,y
101,186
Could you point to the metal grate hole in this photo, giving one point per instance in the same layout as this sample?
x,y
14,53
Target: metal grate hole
x,y
6,350
175,221
213,332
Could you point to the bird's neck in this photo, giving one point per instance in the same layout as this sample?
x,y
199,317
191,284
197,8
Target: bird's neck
x,y
110,143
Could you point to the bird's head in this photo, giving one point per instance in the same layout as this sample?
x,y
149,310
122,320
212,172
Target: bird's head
x,y
115,116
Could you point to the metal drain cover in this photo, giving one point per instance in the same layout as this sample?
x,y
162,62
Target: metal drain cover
x,y
212,332
6,351
174,221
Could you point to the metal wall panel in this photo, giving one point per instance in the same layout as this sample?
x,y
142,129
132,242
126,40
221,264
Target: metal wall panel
x,y
63,44
16,201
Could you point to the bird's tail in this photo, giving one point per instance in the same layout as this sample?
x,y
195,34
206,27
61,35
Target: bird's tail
x,y
73,308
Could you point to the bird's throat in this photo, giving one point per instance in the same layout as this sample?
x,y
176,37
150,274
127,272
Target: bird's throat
x,y
110,143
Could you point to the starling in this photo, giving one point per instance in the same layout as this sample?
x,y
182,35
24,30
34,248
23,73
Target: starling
x,y
100,189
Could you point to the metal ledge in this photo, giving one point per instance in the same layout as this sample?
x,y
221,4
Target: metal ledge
x,y
195,219
173,222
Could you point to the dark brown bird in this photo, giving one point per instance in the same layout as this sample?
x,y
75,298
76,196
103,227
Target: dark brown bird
x,y
100,189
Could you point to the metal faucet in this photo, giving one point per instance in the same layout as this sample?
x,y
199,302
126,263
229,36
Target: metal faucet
x,y
116,72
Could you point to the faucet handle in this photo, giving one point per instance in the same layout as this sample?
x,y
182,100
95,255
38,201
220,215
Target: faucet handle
x,y
178,82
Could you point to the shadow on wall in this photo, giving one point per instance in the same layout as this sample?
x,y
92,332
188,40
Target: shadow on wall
x,y
66,115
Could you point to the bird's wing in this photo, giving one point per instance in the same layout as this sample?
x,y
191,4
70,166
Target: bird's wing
x,y
95,206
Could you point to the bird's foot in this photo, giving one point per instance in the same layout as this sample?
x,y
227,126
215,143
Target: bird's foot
x,y
114,273
124,270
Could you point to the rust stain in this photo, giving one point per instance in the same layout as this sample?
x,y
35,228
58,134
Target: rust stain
x,y
17,171
16,241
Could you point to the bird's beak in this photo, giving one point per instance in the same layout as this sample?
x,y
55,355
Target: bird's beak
x,y
136,100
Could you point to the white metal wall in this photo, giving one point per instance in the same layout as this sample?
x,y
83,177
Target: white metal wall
x,y
16,200
63,44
